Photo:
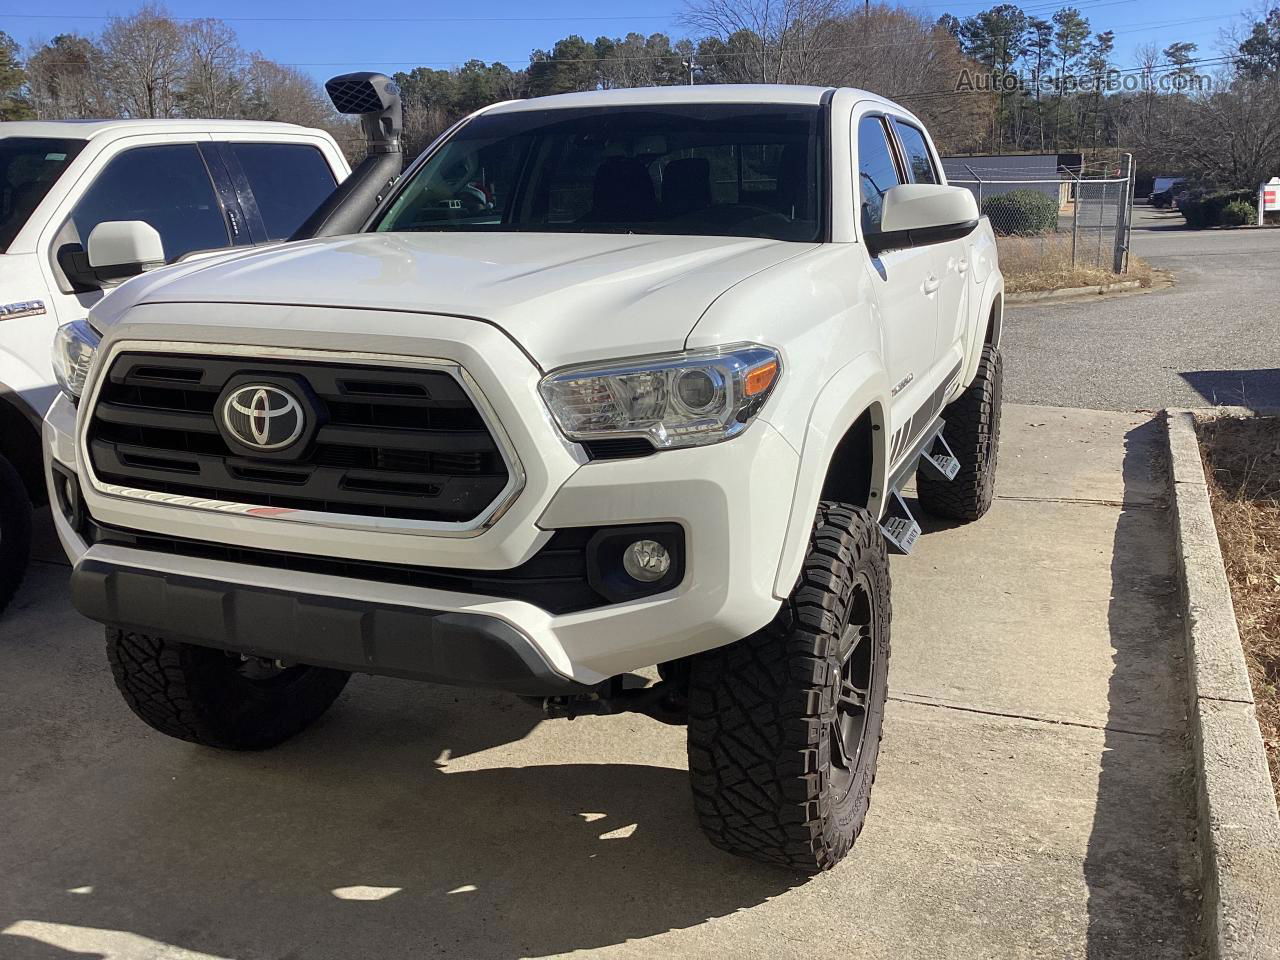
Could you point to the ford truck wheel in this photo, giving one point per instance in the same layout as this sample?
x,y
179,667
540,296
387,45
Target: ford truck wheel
x,y
216,698
15,532
784,726
972,432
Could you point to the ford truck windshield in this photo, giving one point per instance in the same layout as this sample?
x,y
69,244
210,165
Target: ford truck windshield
x,y
718,169
29,167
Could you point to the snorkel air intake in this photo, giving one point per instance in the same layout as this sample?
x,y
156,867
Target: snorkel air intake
x,y
376,99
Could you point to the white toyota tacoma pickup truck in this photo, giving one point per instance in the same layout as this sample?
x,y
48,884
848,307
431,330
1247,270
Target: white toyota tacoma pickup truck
x,y
606,381
65,189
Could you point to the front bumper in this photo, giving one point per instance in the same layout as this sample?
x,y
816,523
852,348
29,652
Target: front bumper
x,y
731,499
382,638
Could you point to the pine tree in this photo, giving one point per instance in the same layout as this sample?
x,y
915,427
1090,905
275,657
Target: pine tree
x,y
14,103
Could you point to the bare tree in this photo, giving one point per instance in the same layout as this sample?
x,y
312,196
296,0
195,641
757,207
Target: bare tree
x,y
273,91
898,54
276,92
1229,137
143,62
65,81
215,64
767,41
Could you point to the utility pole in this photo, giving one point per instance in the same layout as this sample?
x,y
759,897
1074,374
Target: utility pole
x,y
688,65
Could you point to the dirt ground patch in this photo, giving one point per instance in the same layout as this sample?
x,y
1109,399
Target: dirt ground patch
x,y
1033,264
1243,460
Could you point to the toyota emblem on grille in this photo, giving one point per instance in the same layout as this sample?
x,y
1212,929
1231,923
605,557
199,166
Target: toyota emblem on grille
x,y
264,417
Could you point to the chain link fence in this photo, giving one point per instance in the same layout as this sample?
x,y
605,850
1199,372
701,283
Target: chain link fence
x,y
1070,221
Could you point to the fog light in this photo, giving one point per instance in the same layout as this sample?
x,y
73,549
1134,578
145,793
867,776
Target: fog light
x,y
646,561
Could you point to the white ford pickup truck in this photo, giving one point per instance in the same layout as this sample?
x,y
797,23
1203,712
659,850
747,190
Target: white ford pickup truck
x,y
606,381
197,185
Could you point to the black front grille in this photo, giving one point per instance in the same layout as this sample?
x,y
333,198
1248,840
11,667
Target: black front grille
x,y
399,443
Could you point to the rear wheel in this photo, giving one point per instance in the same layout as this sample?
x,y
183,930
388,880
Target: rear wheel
x,y
972,432
785,726
15,532
216,698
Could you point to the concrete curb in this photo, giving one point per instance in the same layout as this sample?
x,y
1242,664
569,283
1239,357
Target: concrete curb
x,y
1072,293
1239,829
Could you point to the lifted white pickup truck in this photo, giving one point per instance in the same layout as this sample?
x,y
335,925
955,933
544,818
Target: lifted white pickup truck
x,y
199,185
608,380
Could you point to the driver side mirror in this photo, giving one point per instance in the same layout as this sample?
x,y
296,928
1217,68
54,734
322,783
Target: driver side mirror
x,y
916,214
117,250
124,248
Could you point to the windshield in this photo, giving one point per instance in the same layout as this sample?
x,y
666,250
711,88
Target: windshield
x,y
29,166
725,170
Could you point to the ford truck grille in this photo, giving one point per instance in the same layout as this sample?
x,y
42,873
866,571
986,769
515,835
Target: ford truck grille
x,y
379,441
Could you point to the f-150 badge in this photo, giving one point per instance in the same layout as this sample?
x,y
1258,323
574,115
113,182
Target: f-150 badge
x,y
22,308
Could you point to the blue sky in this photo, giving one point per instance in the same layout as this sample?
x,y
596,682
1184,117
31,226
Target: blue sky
x,y
507,30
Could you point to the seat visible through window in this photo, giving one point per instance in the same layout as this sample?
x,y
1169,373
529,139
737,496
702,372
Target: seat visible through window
x,y
622,192
686,186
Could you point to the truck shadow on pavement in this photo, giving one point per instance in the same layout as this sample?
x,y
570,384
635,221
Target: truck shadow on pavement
x,y
357,841
1139,866
1256,389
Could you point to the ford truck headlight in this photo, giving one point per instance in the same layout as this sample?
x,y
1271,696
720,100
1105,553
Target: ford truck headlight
x,y
680,400
74,347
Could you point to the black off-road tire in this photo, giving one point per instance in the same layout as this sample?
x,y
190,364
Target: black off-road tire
x,y
769,779
972,432
15,532
213,698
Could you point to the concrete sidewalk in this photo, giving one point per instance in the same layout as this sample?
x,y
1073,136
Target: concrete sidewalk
x,y
1032,798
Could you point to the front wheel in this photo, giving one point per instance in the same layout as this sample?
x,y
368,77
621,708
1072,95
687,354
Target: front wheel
x,y
15,532
784,726
215,698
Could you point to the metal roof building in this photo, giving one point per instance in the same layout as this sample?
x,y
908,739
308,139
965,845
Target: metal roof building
x,y
995,174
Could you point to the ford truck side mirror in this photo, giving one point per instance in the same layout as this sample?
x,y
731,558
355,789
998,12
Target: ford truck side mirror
x,y
117,250
124,248
916,214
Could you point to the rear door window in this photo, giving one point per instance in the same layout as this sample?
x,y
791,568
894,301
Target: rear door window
x,y
919,161
167,186
288,180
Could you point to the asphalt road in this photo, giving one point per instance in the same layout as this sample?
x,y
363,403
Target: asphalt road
x,y
1212,338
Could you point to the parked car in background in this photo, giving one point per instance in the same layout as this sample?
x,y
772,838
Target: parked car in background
x,y
197,185
1163,190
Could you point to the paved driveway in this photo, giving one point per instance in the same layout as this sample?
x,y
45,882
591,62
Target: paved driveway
x,y
1214,337
1031,802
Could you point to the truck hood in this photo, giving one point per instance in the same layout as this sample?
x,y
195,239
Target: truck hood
x,y
565,298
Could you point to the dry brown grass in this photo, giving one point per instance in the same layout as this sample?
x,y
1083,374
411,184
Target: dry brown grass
x,y
1243,460
1032,264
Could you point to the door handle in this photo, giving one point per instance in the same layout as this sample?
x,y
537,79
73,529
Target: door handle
x,y
931,286
962,267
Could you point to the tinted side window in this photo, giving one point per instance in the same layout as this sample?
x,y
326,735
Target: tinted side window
x,y
289,180
918,160
168,187
877,172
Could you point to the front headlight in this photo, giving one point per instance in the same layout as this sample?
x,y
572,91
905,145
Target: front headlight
x,y
74,347
681,400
